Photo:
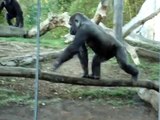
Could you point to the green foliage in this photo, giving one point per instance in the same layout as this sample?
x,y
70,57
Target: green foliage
x,y
56,33
1,18
54,38
152,70
11,96
85,6
131,8
104,93
62,5
55,43
30,18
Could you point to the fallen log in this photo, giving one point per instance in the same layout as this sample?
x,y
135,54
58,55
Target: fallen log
x,y
144,45
51,77
11,31
151,55
28,59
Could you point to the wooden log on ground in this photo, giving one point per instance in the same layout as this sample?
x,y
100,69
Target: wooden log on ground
x,y
10,31
150,45
51,77
28,59
151,55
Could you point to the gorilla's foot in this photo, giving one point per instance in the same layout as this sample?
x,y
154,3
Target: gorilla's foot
x,y
91,77
94,77
135,78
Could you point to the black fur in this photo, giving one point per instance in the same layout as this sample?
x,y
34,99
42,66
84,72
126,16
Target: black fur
x,y
13,11
103,44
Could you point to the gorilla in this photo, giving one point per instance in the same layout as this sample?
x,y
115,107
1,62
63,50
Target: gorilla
x,y
104,45
13,11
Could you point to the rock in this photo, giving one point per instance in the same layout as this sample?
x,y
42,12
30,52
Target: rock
x,y
150,96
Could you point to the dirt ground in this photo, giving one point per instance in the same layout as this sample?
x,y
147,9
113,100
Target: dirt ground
x,y
68,109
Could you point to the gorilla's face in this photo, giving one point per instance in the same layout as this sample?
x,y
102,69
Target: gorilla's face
x,y
75,24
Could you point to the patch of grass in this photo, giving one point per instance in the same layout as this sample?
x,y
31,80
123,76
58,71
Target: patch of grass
x,y
103,93
113,96
55,44
150,68
52,43
11,96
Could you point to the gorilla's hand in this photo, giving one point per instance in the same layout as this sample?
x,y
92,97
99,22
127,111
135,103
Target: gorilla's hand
x,y
56,65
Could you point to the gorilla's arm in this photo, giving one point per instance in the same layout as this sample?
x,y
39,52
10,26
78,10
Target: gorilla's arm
x,y
72,49
19,17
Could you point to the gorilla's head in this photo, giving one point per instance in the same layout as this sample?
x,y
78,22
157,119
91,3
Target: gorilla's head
x,y
7,2
76,21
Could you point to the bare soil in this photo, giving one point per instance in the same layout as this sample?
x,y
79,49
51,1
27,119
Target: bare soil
x,y
63,107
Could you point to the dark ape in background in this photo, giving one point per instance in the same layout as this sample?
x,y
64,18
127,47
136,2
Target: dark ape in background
x,y
13,11
103,44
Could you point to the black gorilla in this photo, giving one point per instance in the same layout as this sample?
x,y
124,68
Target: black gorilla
x,y
103,44
13,11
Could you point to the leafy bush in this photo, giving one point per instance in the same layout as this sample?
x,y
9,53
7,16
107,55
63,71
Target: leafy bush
x,y
85,6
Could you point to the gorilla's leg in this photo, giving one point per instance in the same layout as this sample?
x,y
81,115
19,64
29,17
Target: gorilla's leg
x,y
9,17
122,60
83,57
96,67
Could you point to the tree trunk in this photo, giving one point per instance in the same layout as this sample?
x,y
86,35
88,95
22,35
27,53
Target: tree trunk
x,y
30,73
118,19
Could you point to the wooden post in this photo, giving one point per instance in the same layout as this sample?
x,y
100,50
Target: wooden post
x,y
118,19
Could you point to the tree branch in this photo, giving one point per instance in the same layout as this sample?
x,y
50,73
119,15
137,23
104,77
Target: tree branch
x,y
30,73
51,22
133,24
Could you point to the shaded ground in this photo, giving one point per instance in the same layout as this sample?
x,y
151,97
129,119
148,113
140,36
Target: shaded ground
x,y
79,110
62,106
